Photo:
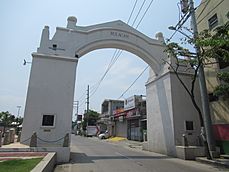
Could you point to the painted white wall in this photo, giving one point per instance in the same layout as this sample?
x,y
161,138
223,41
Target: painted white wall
x,y
168,107
160,129
50,91
184,110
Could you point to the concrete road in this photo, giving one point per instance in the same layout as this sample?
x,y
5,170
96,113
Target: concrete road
x,y
93,155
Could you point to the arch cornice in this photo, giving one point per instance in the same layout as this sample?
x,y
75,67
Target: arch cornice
x,y
75,41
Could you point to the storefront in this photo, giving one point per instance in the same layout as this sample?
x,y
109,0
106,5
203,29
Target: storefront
x,y
133,125
120,123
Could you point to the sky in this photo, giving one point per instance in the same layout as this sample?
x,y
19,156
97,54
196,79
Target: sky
x,y
21,26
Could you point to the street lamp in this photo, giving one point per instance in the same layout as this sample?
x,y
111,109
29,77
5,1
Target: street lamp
x,y
175,29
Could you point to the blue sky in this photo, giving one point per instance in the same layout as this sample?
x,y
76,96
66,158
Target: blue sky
x,y
21,26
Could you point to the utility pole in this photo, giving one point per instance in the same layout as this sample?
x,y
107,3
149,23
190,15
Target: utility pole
x,y
203,90
77,108
87,102
18,112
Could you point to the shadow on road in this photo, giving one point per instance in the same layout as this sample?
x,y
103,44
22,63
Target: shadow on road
x,y
83,158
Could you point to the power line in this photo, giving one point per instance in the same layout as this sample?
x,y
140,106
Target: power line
x,y
138,12
203,8
133,82
132,11
114,58
117,53
144,14
180,24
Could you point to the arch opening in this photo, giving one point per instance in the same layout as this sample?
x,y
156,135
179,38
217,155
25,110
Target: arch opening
x,y
132,48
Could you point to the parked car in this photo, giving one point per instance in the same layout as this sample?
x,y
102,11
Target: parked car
x,y
104,135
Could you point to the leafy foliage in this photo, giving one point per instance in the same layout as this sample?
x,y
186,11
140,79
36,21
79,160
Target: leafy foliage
x,y
90,118
215,44
211,45
7,119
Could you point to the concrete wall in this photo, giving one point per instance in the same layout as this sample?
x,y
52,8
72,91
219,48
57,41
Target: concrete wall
x,y
160,128
183,110
168,107
50,91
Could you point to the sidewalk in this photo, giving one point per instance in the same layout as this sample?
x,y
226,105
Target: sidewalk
x,y
18,151
222,162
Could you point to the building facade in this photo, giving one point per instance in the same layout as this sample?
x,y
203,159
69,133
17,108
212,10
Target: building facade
x,y
210,15
130,122
106,121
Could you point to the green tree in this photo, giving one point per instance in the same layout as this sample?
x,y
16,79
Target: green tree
x,y
213,45
216,45
6,118
90,118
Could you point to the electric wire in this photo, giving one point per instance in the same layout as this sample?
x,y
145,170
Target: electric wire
x,y
138,12
203,9
180,24
133,82
115,56
132,11
144,14
119,52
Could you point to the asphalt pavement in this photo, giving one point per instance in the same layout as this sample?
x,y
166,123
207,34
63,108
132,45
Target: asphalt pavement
x,y
94,155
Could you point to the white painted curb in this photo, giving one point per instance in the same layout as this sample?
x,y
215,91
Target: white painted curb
x,y
47,163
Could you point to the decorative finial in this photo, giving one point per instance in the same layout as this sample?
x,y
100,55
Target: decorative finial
x,y
160,37
71,22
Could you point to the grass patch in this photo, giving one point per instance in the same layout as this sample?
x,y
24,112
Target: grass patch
x,y
19,165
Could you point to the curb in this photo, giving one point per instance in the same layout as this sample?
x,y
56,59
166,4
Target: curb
x,y
46,164
214,162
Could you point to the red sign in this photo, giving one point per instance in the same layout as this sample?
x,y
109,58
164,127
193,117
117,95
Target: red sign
x,y
118,112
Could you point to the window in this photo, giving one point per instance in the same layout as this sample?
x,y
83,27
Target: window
x,y
189,125
48,120
213,21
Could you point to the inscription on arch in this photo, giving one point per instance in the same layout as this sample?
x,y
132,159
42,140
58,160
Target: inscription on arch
x,y
119,34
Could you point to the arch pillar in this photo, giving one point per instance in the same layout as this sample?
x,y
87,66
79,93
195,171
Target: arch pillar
x,y
168,108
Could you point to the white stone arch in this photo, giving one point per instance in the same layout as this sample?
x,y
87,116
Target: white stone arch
x,y
145,56
52,81
117,34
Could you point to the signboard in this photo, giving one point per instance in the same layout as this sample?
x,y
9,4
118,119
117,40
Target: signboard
x,y
129,103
